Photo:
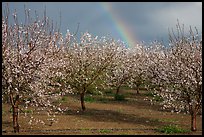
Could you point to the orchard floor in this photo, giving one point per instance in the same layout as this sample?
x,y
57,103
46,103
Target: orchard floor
x,y
105,116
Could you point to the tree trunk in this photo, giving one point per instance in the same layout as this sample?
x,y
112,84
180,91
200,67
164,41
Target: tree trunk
x,y
15,118
15,112
82,101
117,90
137,89
193,121
193,112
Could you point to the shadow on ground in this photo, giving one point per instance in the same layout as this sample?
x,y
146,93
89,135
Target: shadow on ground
x,y
115,116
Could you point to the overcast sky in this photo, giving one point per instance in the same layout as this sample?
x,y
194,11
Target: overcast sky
x,y
147,21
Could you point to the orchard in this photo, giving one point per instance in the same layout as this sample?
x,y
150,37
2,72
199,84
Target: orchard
x,y
40,65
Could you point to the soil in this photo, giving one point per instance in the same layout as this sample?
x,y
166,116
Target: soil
x,y
104,116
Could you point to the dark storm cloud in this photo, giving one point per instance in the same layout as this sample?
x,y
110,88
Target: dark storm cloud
x,y
152,20
148,20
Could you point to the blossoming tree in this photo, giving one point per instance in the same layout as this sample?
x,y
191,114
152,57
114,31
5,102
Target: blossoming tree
x,y
26,49
85,63
179,74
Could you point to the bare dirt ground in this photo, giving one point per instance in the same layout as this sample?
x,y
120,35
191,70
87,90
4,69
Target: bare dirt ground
x,y
105,116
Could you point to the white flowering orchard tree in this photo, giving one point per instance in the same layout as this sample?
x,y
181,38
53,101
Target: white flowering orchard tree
x,y
185,61
83,64
25,49
179,73
127,68
139,67
154,65
121,70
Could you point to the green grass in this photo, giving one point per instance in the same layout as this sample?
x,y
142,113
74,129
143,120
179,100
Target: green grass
x,y
119,97
109,92
28,111
64,99
3,112
171,129
168,120
61,100
89,99
85,129
129,94
120,110
24,111
103,99
105,131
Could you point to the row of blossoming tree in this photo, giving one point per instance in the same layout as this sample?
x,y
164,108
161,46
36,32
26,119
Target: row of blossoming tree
x,y
39,66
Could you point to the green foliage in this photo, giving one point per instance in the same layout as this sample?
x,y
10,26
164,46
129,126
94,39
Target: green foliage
x,y
158,98
170,129
125,88
119,97
28,111
91,89
89,99
149,94
103,99
108,92
11,110
59,80
95,87
61,100
64,99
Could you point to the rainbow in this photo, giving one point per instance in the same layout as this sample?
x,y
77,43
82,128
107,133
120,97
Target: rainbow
x,y
121,26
